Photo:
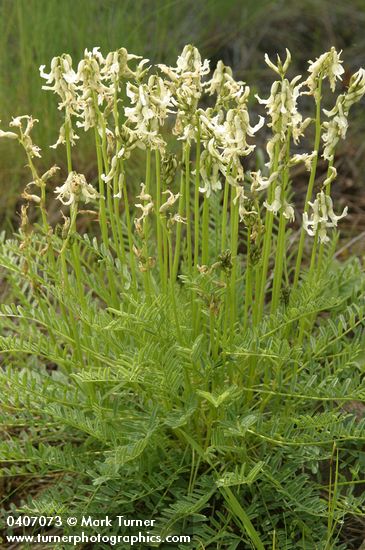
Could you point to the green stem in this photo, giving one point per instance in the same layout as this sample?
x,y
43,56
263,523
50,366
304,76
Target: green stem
x,y
248,285
269,221
178,230
280,246
132,258
146,229
234,252
196,198
102,214
224,215
205,231
312,177
187,207
163,280
102,211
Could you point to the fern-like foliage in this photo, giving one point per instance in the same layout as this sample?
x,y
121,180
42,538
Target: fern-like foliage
x,y
128,415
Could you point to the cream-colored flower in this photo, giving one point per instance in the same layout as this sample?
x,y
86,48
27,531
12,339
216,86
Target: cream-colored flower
x,y
170,201
116,68
146,210
143,195
280,205
209,172
275,205
260,182
150,108
307,158
332,174
176,218
322,217
223,84
281,106
8,135
280,68
328,65
242,203
25,124
336,127
186,87
63,81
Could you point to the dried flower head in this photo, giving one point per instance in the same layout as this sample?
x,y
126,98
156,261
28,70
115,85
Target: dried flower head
x,y
74,189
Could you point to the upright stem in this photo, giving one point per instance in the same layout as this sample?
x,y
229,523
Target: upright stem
x,y
234,252
196,198
224,214
132,259
312,177
178,229
146,228
158,221
118,181
280,246
328,192
248,284
205,231
267,241
102,210
187,207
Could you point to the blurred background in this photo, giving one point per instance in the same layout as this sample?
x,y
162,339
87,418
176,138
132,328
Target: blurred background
x,y
237,31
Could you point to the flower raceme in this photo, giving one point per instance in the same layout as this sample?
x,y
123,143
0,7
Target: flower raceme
x,y
322,217
130,104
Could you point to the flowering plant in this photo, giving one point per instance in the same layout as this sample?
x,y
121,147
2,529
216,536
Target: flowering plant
x,y
187,308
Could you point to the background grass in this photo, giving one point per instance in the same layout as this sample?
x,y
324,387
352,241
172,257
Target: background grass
x,y
239,32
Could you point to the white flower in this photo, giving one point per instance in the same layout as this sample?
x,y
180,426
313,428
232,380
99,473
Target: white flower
x,y
276,203
74,189
150,108
209,171
288,212
281,67
279,204
186,87
113,170
259,182
336,127
242,201
225,86
143,195
332,174
9,135
146,210
170,201
116,67
322,217
328,65
189,66
176,218
281,106
93,90
307,158
62,80
24,134
224,136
